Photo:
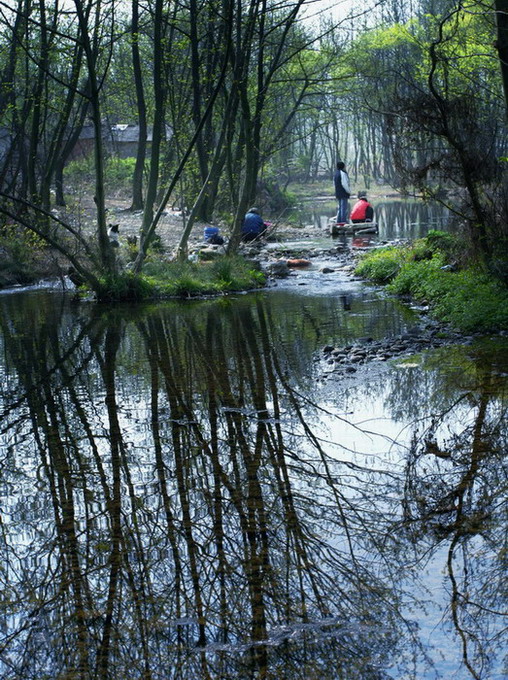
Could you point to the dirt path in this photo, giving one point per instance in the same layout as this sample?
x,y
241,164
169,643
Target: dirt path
x,y
171,225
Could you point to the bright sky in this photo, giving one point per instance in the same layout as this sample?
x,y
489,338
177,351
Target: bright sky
x,y
317,10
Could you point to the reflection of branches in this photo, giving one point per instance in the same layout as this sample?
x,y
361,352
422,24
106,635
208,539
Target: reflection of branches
x,y
190,510
241,474
45,376
455,500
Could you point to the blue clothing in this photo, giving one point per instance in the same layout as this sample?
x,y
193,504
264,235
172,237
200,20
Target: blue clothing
x,y
342,208
342,193
341,182
253,224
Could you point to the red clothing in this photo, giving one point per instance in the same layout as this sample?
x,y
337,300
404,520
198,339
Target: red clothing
x,y
362,211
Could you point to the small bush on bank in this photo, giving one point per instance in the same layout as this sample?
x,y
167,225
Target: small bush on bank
x,y
181,279
126,286
386,264
21,252
443,242
469,299
382,265
419,278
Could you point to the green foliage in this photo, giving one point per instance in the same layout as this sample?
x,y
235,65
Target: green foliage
x,y
118,172
222,271
419,278
156,244
470,299
81,171
20,253
181,279
442,241
382,265
126,286
474,302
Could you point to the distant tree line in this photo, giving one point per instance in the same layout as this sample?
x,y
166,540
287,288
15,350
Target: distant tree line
x,y
251,94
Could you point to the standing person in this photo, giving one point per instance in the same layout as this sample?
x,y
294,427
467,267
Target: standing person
x,y
253,225
342,192
362,210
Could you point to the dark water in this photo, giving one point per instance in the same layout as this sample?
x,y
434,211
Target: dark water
x,y
185,496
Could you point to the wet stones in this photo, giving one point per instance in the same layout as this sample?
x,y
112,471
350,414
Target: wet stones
x,y
279,268
347,359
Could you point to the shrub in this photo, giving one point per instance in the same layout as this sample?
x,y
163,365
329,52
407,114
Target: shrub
x,y
185,279
81,171
118,172
442,241
21,252
470,299
416,278
382,265
126,286
473,302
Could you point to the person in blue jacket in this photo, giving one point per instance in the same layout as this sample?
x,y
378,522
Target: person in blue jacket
x,y
253,225
342,192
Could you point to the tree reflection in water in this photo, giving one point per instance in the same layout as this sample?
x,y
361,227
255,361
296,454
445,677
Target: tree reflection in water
x,y
171,508
455,495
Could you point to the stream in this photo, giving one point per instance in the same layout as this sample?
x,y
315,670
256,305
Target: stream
x,y
186,493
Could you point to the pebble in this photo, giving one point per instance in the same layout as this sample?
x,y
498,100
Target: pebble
x,y
347,358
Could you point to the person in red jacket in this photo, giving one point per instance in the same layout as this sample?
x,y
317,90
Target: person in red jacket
x,y
362,210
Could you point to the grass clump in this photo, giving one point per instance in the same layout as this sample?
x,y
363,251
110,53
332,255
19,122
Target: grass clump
x,y
468,298
22,255
383,265
181,279
126,286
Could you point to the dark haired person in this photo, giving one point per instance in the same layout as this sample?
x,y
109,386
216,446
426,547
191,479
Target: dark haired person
x,y
253,225
362,210
342,192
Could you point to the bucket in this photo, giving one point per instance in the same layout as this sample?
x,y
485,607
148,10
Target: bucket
x,y
210,231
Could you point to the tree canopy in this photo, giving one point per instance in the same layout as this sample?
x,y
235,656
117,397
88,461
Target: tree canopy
x,y
227,97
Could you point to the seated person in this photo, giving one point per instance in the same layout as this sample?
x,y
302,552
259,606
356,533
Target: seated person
x,y
253,225
362,210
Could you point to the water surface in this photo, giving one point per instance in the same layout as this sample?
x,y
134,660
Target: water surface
x,y
397,218
186,495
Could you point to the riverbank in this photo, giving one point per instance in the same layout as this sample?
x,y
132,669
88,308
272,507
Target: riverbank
x,y
428,271
432,271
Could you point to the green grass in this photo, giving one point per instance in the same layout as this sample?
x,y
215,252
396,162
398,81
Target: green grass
x,y
182,279
382,265
22,255
468,298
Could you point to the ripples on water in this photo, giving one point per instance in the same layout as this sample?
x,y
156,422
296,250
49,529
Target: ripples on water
x,y
184,497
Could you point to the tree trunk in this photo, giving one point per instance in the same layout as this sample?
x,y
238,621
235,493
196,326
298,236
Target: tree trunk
x,y
106,252
501,8
137,180
158,127
67,149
